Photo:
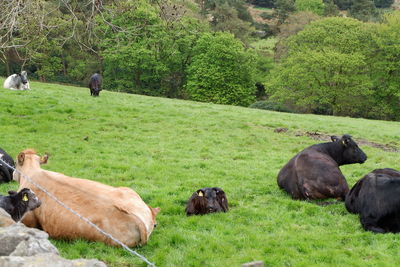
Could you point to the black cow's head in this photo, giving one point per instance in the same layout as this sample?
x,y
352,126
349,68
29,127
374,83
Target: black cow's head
x,y
351,152
207,200
26,198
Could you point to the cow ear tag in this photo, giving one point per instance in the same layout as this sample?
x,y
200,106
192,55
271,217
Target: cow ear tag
x,y
344,142
25,197
200,194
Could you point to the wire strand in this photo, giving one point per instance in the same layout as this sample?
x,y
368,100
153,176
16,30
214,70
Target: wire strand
x,y
80,216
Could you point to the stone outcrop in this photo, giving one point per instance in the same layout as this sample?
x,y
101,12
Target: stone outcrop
x,y
23,246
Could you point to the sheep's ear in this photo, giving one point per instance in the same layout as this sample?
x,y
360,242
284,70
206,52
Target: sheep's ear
x,y
43,160
21,158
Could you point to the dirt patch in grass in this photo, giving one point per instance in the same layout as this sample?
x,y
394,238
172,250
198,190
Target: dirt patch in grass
x,y
327,137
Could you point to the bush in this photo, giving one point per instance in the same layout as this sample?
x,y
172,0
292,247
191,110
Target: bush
x,y
221,71
270,105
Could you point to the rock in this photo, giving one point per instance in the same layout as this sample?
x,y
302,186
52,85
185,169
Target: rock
x,y
5,218
47,260
22,246
19,240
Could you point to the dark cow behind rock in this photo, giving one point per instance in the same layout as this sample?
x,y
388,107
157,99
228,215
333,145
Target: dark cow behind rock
x,y
5,171
17,81
207,200
314,172
95,84
17,204
376,198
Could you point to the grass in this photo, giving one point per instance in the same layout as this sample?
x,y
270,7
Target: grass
x,y
165,149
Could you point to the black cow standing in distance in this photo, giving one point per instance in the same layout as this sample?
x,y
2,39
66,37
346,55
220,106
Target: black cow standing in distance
x,y
376,197
95,84
207,200
314,172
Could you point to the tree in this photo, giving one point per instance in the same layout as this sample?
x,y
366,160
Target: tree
x,y
221,71
363,10
383,3
283,8
225,18
293,24
326,69
386,65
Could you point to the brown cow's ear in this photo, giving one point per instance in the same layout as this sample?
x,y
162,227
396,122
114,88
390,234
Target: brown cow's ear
x,y
156,210
21,158
43,160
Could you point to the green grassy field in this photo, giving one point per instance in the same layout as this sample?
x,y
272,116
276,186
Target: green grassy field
x,y
165,149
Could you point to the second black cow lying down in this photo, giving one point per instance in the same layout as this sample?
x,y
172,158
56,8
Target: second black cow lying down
x,y
17,204
5,171
314,172
376,197
207,200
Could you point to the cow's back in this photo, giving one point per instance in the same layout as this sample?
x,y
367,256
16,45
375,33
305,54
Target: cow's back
x,y
98,202
313,174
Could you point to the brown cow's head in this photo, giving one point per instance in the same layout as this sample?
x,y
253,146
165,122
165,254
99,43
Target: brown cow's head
x,y
207,200
28,159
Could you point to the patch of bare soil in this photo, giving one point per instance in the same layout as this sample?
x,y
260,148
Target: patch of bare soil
x,y
327,137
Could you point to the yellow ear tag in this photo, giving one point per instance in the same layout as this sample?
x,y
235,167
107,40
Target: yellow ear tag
x,y
25,197
200,194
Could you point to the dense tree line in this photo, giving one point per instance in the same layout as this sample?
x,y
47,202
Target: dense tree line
x,y
202,50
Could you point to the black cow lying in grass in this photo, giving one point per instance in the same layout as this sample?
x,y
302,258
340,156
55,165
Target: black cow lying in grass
x,y
17,204
207,200
314,172
95,84
5,171
376,197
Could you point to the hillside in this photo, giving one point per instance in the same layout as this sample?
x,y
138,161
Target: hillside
x,y
165,149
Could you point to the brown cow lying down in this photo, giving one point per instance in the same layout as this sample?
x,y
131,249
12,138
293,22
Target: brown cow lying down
x,y
118,211
314,172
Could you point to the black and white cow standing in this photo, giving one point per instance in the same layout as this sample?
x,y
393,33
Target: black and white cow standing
x,y
376,198
95,84
6,173
17,81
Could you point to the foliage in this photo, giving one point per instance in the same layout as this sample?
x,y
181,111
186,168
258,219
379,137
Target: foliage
x,y
327,66
386,68
314,6
262,3
330,9
343,4
383,3
225,18
363,10
293,24
165,149
283,8
221,71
